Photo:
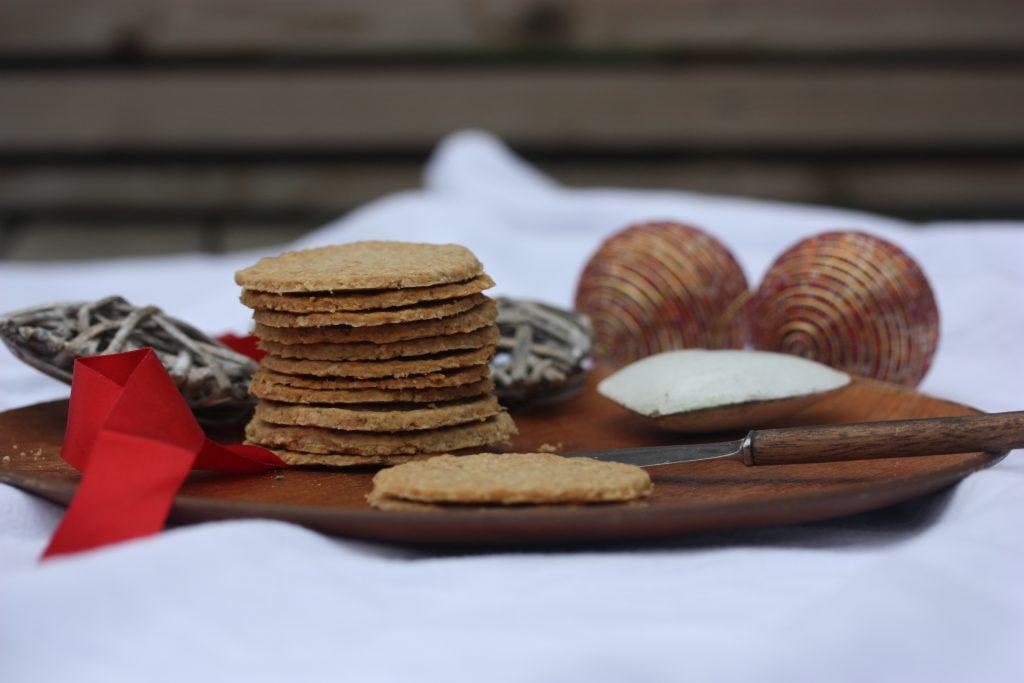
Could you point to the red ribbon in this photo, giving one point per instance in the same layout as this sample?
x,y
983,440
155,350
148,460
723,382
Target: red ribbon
x,y
135,440
247,345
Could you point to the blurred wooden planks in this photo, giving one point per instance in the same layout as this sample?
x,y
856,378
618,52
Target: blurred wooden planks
x,y
555,106
281,114
343,27
319,191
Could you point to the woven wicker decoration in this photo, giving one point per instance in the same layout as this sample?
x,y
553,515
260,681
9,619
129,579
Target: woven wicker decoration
x,y
213,379
852,301
660,286
542,352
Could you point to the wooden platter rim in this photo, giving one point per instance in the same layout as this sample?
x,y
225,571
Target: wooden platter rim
x,y
566,526
893,491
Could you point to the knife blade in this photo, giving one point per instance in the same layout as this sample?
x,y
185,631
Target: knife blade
x,y
649,456
996,432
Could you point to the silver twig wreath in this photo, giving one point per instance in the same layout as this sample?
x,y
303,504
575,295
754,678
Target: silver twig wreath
x,y
542,354
213,379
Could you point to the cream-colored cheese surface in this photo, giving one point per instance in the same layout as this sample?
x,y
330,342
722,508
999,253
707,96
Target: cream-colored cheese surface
x,y
694,379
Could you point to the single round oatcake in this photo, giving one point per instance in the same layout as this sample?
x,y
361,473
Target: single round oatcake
x,y
441,379
479,316
425,310
361,300
395,367
509,479
361,265
328,442
336,460
261,387
380,418
487,336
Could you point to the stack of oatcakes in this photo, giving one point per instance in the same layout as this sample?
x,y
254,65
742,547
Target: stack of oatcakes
x,y
376,352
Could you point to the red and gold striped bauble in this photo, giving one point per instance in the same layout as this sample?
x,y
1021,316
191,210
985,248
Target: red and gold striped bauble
x,y
852,301
654,287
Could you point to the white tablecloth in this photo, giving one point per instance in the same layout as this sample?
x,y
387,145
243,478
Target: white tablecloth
x,y
932,590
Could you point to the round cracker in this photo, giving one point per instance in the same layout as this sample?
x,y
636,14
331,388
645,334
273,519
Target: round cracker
x,y
327,442
445,378
261,387
388,503
426,310
511,479
485,336
331,302
399,417
395,367
310,459
473,319
361,265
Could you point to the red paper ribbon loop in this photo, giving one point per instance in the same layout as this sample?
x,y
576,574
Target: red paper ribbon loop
x,y
134,438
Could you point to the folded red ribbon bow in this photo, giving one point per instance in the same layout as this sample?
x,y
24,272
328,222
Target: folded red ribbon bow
x,y
135,440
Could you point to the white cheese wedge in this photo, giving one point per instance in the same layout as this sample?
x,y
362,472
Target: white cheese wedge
x,y
696,379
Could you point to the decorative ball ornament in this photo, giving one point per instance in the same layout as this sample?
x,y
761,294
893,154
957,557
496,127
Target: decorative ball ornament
x,y
659,286
852,301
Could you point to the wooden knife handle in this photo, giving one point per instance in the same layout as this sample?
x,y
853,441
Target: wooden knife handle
x,y
898,438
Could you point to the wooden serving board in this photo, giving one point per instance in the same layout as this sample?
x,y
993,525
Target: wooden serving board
x,y
695,497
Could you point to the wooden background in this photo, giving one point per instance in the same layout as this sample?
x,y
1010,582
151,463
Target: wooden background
x,y
149,126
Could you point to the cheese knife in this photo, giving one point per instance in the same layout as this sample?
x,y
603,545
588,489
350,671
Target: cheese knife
x,y
996,432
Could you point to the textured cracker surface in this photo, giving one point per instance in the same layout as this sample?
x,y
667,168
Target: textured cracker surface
x,y
395,367
473,319
485,336
361,265
511,479
261,387
331,302
382,502
445,378
379,418
426,310
300,458
321,441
